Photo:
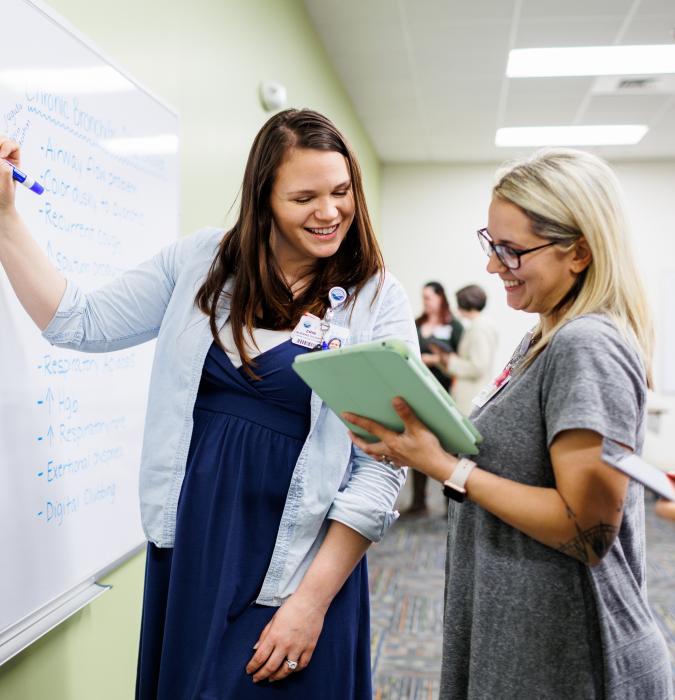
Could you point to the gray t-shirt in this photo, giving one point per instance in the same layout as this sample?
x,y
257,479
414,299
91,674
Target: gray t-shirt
x,y
523,620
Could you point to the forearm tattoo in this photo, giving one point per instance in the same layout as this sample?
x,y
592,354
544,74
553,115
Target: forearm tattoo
x,y
589,544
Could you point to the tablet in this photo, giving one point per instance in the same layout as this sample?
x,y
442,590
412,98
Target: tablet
x,y
629,463
365,378
442,345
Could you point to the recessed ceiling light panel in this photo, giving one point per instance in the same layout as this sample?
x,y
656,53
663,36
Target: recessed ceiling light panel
x,y
591,60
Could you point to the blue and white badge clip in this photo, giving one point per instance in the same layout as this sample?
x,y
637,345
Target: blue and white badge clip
x,y
26,180
336,296
333,336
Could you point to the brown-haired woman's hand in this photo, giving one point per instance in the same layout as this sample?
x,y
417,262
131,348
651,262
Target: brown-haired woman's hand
x,y
287,642
415,447
9,151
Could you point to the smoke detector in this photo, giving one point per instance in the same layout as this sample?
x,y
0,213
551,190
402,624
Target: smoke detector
x,y
272,95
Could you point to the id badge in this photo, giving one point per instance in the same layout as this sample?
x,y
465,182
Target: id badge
x,y
308,332
336,337
490,391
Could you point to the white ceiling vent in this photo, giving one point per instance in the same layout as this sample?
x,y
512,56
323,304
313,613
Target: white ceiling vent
x,y
634,85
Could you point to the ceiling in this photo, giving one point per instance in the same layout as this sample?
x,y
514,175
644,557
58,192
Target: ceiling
x,y
427,77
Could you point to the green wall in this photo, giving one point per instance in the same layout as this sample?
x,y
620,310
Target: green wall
x,y
206,58
90,656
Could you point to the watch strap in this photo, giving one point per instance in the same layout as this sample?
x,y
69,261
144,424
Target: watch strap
x,y
455,485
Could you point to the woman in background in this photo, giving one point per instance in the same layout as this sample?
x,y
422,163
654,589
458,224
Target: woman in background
x,y
437,332
470,368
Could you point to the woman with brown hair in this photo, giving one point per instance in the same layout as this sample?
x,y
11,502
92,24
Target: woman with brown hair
x,y
437,329
437,332
257,508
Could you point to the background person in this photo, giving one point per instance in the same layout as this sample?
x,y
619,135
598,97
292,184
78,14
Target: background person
x,y
545,589
436,323
470,368
257,508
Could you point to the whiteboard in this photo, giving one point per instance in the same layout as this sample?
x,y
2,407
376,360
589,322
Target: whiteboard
x,y
71,424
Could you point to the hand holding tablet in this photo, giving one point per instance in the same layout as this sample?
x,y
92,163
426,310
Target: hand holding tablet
x,y
364,379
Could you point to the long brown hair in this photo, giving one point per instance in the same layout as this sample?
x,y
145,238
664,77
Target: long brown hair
x,y
444,312
245,254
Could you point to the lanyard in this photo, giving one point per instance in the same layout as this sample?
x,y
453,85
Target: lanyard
x,y
496,386
515,360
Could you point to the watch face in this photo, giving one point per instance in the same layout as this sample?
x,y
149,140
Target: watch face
x,y
453,492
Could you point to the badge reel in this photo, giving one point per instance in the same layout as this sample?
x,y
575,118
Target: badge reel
x,y
334,336
313,332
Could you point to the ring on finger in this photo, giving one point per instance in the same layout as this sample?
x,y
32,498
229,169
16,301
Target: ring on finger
x,y
292,665
385,460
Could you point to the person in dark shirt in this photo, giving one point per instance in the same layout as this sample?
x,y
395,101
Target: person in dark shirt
x,y
437,329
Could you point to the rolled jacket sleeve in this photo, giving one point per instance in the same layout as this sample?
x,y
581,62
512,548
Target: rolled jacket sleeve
x,y
126,312
366,504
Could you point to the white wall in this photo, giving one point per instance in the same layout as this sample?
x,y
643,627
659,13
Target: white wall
x,y
430,214
650,199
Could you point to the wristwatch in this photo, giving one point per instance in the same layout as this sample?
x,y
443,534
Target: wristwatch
x,y
454,486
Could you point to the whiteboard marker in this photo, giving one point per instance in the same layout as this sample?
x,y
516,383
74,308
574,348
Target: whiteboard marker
x,y
26,181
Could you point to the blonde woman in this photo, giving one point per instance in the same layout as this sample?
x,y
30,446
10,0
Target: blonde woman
x,y
545,566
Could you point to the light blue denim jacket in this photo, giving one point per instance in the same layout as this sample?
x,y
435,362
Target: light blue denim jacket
x,y
332,480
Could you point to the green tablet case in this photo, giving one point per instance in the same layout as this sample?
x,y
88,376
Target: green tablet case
x,y
363,379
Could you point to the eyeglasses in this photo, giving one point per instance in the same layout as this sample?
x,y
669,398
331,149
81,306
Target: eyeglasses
x,y
508,256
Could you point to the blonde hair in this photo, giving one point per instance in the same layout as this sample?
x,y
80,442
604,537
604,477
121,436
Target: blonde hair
x,y
567,194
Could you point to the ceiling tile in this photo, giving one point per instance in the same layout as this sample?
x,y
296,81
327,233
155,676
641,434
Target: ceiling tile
x,y
352,12
476,65
552,9
573,31
464,95
651,29
648,7
464,37
544,101
457,10
368,66
431,89
624,109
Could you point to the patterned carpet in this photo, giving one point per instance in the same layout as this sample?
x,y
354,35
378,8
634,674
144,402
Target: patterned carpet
x,y
406,579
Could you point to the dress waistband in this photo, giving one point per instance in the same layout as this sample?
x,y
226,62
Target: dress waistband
x,y
263,412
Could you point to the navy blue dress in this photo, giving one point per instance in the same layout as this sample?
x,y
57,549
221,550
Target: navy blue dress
x,y
200,620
